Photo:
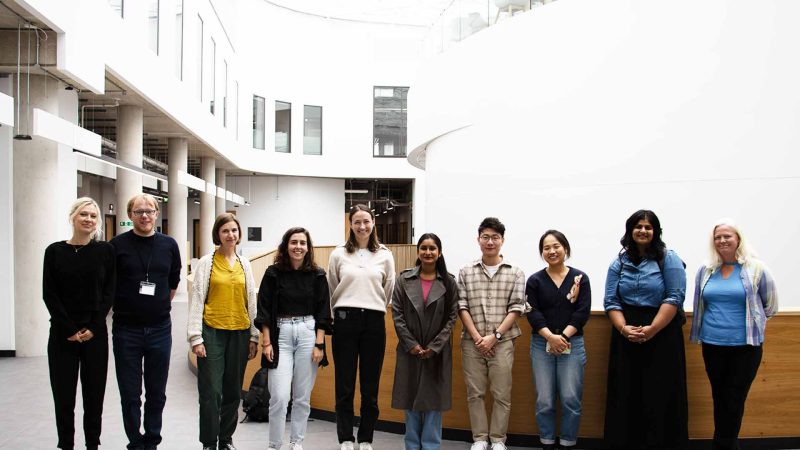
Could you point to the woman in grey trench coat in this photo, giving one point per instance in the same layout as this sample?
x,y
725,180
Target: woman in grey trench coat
x,y
424,311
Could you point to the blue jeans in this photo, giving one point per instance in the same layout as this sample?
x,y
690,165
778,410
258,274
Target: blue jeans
x,y
563,376
293,378
423,430
142,353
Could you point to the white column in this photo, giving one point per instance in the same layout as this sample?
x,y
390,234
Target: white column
x,y
220,208
130,125
44,183
177,212
7,223
208,206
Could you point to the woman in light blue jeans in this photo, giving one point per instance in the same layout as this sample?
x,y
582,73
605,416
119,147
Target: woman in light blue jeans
x,y
294,316
560,297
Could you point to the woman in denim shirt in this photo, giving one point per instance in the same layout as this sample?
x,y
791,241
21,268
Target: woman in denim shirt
x,y
734,295
646,405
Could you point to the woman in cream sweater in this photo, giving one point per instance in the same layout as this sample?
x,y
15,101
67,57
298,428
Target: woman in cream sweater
x,y
361,280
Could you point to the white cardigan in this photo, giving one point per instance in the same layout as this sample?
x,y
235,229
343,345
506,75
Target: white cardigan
x,y
197,301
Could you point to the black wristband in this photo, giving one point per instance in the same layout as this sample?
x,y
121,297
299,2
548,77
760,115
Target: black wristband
x,y
565,337
320,346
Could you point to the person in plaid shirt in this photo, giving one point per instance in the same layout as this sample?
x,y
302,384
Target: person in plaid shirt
x,y
491,296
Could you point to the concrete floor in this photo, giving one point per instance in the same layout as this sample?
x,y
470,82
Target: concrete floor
x,y
27,418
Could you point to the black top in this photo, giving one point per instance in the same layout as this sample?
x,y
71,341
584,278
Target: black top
x,y
551,308
292,293
78,287
156,259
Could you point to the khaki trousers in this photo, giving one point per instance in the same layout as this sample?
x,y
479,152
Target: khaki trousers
x,y
496,373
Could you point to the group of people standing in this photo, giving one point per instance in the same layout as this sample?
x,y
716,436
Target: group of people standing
x,y
646,405
298,303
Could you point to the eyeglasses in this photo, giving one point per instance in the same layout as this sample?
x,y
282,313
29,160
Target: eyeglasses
x,y
145,212
493,238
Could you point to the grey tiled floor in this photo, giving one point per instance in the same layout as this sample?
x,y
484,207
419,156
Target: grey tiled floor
x,y
26,408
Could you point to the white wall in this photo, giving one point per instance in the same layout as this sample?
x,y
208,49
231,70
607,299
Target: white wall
x,y
586,111
279,203
334,64
7,223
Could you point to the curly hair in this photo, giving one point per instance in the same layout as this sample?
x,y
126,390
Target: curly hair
x,y
282,259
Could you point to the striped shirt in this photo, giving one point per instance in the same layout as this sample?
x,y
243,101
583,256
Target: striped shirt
x,y
489,299
760,294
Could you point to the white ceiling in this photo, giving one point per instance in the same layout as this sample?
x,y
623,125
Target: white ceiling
x,y
421,13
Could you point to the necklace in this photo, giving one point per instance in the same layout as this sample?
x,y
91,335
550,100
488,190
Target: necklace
x,y
77,247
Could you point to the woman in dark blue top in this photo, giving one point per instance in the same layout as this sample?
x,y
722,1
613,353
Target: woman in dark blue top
x,y
560,297
78,290
646,405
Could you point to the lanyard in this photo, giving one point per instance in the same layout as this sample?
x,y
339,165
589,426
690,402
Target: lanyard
x,y
146,267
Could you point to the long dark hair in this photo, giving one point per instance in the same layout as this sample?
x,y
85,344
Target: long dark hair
x,y
282,259
657,247
441,266
352,245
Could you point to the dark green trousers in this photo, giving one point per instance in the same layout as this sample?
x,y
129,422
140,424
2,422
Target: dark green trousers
x,y
219,382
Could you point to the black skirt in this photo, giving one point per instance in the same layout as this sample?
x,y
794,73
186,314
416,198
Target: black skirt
x,y
646,405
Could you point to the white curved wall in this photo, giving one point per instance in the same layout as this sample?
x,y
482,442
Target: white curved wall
x,y
585,111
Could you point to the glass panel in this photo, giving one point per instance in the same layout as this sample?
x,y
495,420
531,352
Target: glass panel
x,y
283,127
389,121
118,6
199,38
236,110
213,78
224,93
152,25
179,39
312,130
259,111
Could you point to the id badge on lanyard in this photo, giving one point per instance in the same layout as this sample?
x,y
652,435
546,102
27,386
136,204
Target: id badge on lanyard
x,y
147,288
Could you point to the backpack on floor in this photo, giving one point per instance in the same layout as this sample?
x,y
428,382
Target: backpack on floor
x,y
256,400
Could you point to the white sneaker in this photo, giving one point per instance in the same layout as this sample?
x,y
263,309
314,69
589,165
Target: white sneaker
x,y
347,445
364,446
480,445
295,446
498,446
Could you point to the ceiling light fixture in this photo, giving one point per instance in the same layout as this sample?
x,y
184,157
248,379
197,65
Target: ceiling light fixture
x,y
19,136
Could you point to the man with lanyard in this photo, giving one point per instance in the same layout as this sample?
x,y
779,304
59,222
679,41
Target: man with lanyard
x,y
491,296
148,272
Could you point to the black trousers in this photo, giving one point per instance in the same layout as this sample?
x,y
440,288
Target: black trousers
x,y
68,359
359,342
731,370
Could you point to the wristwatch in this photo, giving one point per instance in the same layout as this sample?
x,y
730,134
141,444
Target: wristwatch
x,y
498,335
320,346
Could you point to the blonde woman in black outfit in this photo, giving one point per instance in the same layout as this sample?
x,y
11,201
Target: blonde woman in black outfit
x,y
78,290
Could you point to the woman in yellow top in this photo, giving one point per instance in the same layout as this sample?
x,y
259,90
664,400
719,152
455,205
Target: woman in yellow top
x,y
222,307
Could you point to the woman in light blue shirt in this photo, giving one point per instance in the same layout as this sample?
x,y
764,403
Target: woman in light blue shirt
x,y
734,296
646,404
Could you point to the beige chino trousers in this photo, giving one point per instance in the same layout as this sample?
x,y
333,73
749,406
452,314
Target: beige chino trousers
x,y
496,373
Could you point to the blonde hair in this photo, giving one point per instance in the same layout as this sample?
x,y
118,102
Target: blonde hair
x,y
743,251
82,203
146,197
